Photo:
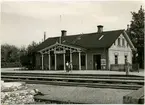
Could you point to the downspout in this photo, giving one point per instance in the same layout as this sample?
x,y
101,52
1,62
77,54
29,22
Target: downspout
x,y
108,60
106,57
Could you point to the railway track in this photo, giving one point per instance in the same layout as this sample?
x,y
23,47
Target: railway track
x,y
79,76
87,80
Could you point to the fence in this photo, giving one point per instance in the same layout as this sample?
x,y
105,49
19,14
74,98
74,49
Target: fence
x,y
122,67
10,64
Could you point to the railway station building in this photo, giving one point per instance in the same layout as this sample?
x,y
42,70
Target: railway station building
x,y
101,50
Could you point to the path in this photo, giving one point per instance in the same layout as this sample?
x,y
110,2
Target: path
x,y
141,73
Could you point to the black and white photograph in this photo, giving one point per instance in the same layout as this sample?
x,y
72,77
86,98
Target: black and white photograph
x,y
72,52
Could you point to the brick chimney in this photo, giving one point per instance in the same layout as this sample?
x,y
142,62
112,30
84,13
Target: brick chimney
x,y
100,28
63,33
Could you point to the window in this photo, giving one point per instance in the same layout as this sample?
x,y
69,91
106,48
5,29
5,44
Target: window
x,y
116,59
127,44
123,42
118,41
114,43
40,60
125,58
83,60
67,58
101,37
52,60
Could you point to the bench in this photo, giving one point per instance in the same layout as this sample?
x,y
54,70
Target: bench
x,y
136,97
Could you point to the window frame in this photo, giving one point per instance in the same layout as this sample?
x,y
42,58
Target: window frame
x,y
116,59
114,43
83,60
125,58
123,42
119,42
127,44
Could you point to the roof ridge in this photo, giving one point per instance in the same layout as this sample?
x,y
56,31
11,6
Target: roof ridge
x,y
82,38
86,33
96,32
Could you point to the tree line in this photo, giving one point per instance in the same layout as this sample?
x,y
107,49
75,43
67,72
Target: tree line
x,y
12,56
136,34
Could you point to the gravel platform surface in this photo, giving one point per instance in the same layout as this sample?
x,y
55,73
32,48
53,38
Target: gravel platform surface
x,y
81,94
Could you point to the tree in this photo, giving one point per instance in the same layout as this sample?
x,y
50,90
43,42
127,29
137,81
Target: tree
x,y
9,53
23,51
27,57
136,33
10,56
31,47
23,56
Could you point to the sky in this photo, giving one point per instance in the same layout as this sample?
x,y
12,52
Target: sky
x,y
25,21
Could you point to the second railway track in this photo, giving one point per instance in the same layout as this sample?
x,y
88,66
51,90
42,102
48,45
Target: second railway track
x,y
87,80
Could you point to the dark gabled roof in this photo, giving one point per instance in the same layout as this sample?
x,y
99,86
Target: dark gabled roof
x,y
88,40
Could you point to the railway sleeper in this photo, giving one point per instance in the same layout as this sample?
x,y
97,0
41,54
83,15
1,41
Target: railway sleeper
x,y
86,85
140,83
59,76
71,80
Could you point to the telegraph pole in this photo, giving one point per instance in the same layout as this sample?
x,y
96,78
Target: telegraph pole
x,y
60,29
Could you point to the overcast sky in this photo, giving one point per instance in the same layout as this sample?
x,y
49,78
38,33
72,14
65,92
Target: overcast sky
x,y
24,22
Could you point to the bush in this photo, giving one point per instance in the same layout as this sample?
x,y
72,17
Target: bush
x,y
10,64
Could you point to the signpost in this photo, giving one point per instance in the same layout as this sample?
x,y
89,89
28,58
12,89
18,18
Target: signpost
x,y
103,61
103,64
59,52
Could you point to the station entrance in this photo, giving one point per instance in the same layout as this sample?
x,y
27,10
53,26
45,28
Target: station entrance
x,y
97,62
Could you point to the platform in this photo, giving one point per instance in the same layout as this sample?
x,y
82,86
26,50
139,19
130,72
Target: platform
x,y
141,73
82,95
